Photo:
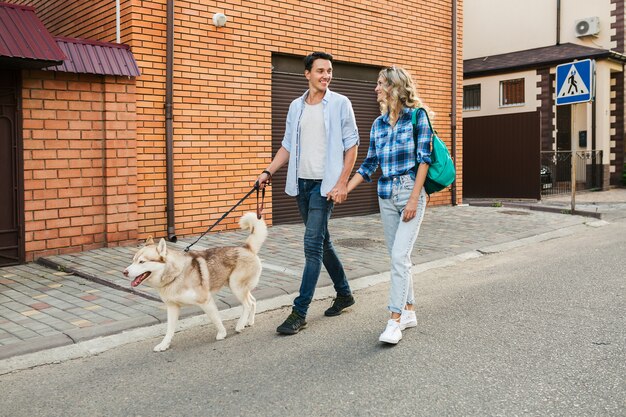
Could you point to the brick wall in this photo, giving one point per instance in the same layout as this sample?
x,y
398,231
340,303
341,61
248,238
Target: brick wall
x,y
222,78
79,162
222,119
616,147
545,97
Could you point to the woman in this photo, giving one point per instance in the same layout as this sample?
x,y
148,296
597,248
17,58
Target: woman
x,y
401,196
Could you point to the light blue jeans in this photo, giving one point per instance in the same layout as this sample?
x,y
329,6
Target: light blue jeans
x,y
400,237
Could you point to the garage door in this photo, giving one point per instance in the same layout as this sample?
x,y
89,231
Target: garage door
x,y
288,86
501,156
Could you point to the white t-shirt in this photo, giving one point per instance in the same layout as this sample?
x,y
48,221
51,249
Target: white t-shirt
x,y
312,142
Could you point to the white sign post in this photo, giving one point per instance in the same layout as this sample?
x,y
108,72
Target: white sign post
x,y
575,83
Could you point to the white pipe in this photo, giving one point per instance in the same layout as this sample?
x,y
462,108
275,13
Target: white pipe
x,y
117,20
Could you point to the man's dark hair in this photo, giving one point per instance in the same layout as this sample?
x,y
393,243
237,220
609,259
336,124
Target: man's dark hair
x,y
309,59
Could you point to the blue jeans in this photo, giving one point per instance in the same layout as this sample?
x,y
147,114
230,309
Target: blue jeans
x,y
315,211
400,237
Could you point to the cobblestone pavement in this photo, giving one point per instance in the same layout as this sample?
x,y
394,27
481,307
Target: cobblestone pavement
x,y
70,298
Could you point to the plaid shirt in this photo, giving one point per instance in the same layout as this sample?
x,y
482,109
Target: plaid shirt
x,y
393,148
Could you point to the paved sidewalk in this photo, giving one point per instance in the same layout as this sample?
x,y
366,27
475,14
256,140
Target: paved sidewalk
x,y
67,299
605,205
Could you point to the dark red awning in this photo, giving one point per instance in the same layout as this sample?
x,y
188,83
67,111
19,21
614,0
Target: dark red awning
x,y
93,57
24,41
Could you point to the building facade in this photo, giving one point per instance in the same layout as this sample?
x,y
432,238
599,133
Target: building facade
x,y
226,84
67,137
511,51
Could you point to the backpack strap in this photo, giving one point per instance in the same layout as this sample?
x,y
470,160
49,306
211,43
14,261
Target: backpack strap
x,y
432,134
414,121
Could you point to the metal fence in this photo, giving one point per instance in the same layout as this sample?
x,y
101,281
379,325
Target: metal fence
x,y
556,171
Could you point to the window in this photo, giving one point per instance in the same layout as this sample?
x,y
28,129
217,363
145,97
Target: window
x,y
471,97
512,92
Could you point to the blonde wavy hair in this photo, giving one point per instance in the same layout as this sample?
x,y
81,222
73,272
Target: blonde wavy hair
x,y
401,92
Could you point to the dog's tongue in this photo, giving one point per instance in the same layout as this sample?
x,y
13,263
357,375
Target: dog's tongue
x,y
139,279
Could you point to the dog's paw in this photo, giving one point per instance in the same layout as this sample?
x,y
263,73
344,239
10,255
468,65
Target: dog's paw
x,y
221,335
161,347
239,329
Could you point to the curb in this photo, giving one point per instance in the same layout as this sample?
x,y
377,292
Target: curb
x,y
76,336
56,266
535,207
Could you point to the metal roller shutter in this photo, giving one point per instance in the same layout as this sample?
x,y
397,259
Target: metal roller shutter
x,y
285,88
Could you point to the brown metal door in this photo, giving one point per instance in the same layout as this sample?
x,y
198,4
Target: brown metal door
x,y
501,156
285,88
11,246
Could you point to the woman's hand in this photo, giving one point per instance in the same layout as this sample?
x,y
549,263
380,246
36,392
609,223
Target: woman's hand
x,y
410,209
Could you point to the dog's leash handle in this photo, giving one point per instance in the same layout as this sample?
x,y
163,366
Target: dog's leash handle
x,y
259,208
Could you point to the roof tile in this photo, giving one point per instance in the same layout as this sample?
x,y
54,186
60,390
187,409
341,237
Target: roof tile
x,y
533,58
93,57
24,37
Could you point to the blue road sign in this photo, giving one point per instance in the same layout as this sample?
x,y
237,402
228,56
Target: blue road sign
x,y
575,82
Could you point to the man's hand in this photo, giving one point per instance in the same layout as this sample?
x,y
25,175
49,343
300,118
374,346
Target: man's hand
x,y
264,179
410,209
339,194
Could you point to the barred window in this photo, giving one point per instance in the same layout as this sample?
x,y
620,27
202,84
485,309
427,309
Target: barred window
x,y
471,97
512,92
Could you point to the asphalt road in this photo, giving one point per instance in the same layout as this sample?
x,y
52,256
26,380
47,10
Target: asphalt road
x,y
534,331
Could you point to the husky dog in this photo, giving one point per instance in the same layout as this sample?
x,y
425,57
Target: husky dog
x,y
191,278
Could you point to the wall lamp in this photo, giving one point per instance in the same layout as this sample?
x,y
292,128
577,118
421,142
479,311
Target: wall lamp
x,y
219,19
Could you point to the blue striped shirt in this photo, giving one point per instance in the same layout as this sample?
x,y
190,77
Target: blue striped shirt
x,y
393,148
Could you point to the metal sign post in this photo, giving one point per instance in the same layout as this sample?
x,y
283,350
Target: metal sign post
x,y
573,162
575,83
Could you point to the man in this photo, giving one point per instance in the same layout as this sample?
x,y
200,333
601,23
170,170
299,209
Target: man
x,y
320,145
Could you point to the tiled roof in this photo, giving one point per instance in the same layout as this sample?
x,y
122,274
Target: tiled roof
x,y
92,57
24,41
534,58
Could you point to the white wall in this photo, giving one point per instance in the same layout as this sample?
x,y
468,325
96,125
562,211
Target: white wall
x,y
494,27
603,107
573,10
490,94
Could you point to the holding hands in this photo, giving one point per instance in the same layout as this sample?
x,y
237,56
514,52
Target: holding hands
x,y
339,194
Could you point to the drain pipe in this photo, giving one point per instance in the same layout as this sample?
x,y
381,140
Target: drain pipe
x,y
558,22
169,128
117,20
453,112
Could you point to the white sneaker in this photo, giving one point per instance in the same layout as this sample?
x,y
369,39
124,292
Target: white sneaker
x,y
407,319
392,333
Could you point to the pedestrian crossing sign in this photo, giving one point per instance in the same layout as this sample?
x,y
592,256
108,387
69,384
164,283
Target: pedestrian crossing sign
x,y
575,82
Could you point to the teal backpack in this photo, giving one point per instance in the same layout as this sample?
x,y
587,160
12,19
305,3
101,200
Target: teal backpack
x,y
441,172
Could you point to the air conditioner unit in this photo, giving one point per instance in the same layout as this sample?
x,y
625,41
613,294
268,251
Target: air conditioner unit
x,y
588,27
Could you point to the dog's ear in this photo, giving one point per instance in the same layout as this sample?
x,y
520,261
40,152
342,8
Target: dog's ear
x,y
149,241
162,248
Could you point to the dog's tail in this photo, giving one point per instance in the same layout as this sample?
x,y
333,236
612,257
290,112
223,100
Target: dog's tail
x,y
258,231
